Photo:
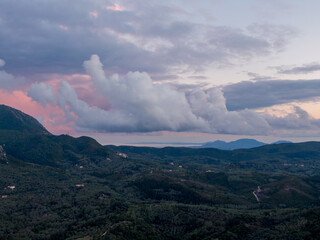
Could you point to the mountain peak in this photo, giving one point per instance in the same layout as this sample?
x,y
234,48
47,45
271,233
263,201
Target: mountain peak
x,y
13,119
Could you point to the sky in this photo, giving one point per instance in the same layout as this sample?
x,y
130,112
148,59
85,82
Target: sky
x,y
130,72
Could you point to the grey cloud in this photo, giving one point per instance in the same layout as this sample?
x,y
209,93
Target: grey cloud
x,y
8,81
258,77
297,120
305,69
42,93
54,37
186,88
198,77
258,94
278,36
165,77
210,105
2,62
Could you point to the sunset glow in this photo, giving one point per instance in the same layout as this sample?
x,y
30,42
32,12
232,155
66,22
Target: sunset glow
x,y
160,71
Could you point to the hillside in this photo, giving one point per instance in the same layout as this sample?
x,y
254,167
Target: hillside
x,y
24,138
60,187
13,119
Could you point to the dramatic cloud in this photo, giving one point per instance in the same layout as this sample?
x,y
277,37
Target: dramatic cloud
x,y
156,37
305,69
268,93
139,105
210,105
134,103
42,93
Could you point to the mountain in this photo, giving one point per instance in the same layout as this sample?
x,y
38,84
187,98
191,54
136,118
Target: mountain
x,y
244,143
281,141
13,119
238,144
24,138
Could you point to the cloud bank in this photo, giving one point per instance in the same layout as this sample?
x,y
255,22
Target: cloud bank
x,y
267,93
139,105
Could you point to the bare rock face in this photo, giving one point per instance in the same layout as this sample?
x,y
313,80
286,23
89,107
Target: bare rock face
x,y
3,155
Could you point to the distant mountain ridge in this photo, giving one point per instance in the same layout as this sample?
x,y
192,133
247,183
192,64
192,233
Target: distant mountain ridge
x,y
13,119
244,143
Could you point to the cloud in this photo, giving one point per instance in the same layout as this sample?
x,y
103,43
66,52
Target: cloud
x,y
297,120
296,123
197,77
210,105
258,77
304,69
139,105
87,117
267,93
59,36
2,62
153,107
8,81
134,103
278,36
42,93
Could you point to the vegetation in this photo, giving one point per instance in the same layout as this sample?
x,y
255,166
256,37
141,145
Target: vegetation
x,y
60,187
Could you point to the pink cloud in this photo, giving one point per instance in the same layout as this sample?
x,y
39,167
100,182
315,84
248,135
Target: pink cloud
x,y
83,85
115,7
94,14
53,117
64,27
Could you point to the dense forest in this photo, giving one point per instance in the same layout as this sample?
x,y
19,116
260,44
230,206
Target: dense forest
x,y
60,187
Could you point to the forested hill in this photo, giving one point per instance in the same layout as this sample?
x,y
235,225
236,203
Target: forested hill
x,y
292,157
13,119
25,139
60,187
